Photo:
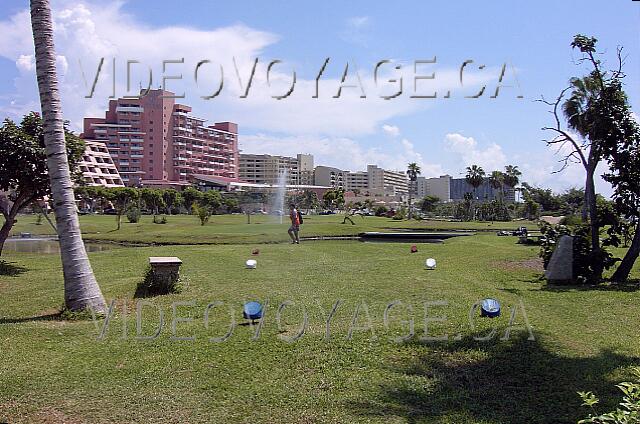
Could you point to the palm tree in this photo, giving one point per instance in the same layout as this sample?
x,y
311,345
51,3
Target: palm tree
x,y
413,170
511,176
578,110
81,290
498,180
475,178
583,92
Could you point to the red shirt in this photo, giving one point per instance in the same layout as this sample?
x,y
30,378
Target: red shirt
x,y
295,219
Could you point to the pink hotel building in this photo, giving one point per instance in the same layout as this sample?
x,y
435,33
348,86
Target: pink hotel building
x,y
156,142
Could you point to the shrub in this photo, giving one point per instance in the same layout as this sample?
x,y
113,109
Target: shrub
x,y
630,411
202,212
585,261
159,220
400,215
155,284
133,214
381,211
571,220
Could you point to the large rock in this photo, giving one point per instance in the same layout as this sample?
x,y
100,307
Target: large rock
x,y
560,268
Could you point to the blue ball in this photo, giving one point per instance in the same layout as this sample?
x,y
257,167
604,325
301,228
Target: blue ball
x,y
490,308
252,310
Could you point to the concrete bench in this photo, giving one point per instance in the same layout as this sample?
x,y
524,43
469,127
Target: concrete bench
x,y
165,263
162,276
165,268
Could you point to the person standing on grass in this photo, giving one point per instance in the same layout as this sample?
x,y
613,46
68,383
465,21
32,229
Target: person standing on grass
x,y
295,224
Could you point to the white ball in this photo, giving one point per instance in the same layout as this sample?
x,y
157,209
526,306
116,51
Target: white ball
x,y
252,263
430,263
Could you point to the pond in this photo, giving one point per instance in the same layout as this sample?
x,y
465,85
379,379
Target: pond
x,y
46,245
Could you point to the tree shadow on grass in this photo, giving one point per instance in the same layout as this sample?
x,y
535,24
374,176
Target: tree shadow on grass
x,y
508,382
627,286
57,316
10,269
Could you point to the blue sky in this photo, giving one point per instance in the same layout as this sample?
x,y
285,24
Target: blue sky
x,y
443,135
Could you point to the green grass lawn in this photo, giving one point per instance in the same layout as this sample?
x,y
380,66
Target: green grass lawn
x,y
58,371
233,229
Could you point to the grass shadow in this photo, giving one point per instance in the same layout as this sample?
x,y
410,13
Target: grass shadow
x,y
10,269
509,382
629,286
57,316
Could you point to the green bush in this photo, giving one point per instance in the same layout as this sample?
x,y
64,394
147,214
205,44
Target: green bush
x,y
571,220
585,260
493,210
400,215
202,212
155,284
158,220
629,413
381,211
133,214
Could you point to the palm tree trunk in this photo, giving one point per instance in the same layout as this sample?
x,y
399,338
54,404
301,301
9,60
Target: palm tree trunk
x,y
81,290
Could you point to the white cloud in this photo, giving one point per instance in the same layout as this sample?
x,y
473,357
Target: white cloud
x,y
490,158
539,168
26,62
356,30
391,130
86,32
358,21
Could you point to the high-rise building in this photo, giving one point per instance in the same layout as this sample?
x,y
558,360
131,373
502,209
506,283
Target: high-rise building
x,y
460,186
305,169
357,180
156,140
447,188
267,169
330,177
439,187
97,167
373,180
392,182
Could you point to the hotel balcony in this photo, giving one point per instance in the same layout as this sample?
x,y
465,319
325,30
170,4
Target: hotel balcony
x,y
138,109
117,126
